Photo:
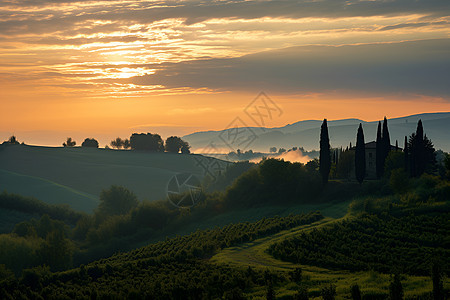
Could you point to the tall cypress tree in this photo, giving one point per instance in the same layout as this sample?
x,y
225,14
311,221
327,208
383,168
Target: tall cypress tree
x,y
386,141
379,153
325,157
360,156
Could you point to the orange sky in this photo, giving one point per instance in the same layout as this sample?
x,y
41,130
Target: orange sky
x,y
84,69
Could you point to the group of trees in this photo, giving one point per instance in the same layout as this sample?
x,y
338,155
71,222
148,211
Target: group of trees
x,y
139,141
418,154
11,141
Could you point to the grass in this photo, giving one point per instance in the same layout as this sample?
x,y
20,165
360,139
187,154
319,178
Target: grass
x,y
76,176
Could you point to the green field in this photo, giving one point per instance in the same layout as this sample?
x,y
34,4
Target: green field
x,y
76,176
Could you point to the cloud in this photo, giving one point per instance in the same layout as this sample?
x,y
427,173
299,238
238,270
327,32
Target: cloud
x,y
417,67
64,15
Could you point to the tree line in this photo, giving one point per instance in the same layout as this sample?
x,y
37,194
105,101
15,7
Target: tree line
x,y
139,141
419,155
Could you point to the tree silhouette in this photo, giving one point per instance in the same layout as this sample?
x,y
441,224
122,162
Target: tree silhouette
x,y
93,143
360,155
379,153
324,155
117,143
174,144
69,142
185,148
386,140
422,153
12,141
147,142
126,144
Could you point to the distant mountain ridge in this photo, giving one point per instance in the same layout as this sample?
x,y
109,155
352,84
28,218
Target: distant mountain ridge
x,y
306,133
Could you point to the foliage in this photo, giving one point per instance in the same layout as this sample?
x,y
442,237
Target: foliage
x,y
421,153
399,180
11,141
170,269
447,165
356,292
34,206
147,142
117,143
274,181
394,161
328,292
346,164
69,142
117,200
325,155
89,142
232,172
175,144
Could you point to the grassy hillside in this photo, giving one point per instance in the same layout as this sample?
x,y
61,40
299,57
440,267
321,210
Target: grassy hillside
x,y
76,176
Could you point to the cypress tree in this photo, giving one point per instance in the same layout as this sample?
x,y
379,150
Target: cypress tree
x,y
386,142
360,156
406,154
324,155
379,153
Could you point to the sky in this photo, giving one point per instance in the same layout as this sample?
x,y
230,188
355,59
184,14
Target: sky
x,y
104,69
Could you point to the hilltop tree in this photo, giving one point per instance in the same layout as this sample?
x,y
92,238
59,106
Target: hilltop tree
x,y
422,153
12,140
174,144
147,142
117,143
185,148
360,155
93,143
324,156
69,142
379,163
126,144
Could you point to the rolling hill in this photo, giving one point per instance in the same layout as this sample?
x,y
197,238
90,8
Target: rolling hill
x,y
76,176
342,132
